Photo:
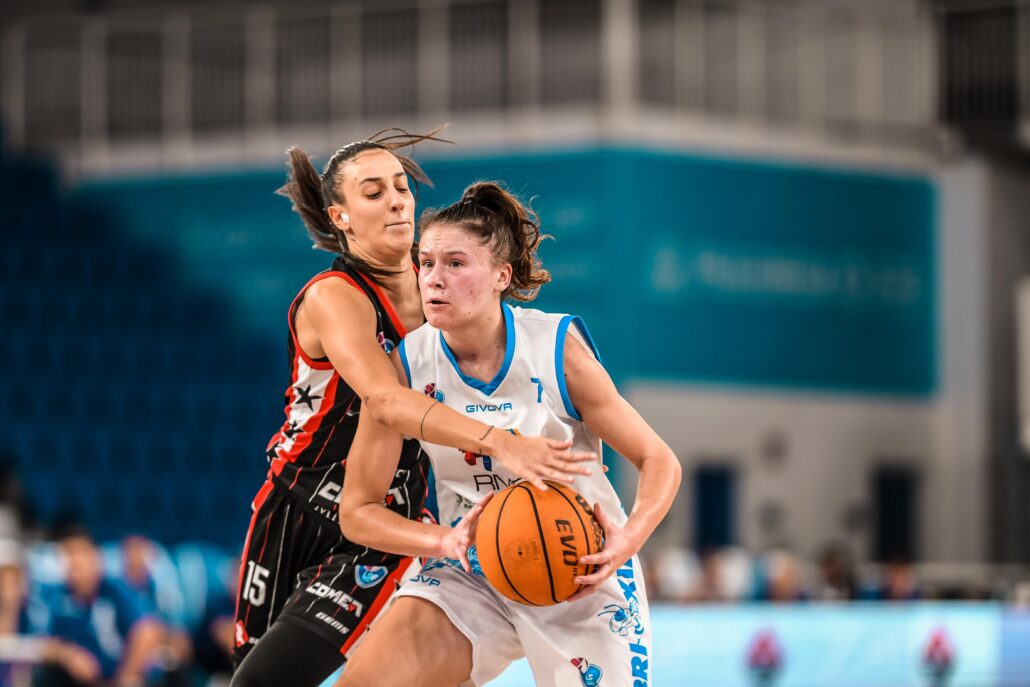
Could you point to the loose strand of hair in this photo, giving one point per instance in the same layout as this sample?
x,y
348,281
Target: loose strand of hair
x,y
304,189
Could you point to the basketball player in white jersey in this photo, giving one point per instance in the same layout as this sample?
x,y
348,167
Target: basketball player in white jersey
x,y
516,370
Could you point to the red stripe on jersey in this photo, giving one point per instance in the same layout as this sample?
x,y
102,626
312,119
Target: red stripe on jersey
x,y
256,504
262,494
291,396
387,306
290,314
299,354
389,585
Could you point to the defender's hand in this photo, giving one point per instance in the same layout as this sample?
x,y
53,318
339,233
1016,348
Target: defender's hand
x,y
538,458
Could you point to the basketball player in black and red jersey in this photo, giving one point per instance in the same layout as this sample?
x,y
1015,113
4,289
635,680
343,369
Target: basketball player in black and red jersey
x,y
306,594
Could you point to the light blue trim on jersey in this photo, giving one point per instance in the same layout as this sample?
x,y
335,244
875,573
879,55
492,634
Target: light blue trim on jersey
x,y
487,388
403,353
559,357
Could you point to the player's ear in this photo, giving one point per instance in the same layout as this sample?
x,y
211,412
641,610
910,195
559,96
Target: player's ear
x,y
339,217
503,277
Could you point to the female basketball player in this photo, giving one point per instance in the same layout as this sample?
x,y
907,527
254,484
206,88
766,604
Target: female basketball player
x,y
516,369
306,592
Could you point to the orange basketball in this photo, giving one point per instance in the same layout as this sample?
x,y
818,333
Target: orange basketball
x,y
529,542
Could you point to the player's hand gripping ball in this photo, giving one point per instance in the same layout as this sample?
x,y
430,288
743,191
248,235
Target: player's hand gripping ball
x,y
529,542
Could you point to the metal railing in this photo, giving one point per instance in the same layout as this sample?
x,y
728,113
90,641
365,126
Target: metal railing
x,y
242,72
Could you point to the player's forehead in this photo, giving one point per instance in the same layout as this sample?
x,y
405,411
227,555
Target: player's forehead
x,y
372,165
445,238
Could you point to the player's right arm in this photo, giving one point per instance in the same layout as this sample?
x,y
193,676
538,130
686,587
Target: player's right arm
x,y
345,323
365,520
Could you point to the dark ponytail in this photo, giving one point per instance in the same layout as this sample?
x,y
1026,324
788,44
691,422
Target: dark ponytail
x,y
489,212
312,193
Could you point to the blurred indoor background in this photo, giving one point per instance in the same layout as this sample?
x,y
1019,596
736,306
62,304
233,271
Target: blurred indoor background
x,y
799,232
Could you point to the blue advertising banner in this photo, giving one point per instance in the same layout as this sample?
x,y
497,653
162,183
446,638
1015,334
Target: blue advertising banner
x,y
684,267
855,645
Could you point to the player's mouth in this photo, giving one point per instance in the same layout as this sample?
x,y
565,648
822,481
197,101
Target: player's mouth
x,y
436,303
399,225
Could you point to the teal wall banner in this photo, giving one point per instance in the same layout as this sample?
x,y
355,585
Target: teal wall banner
x,y
684,267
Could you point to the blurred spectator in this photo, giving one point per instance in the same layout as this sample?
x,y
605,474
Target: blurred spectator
x,y
836,581
16,626
1020,596
16,516
725,576
100,617
737,576
213,638
13,589
160,597
707,586
673,573
13,593
897,582
784,578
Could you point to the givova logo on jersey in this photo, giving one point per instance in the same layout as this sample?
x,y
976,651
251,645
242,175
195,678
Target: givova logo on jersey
x,y
387,345
487,407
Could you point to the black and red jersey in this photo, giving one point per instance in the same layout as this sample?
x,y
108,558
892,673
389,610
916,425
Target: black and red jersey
x,y
308,454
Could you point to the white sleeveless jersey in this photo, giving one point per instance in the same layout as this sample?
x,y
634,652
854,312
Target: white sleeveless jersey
x,y
527,395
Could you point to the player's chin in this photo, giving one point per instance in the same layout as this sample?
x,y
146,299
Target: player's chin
x,y
438,315
395,244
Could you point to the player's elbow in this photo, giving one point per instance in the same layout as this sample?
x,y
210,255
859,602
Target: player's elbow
x,y
668,466
674,468
352,523
348,518
384,406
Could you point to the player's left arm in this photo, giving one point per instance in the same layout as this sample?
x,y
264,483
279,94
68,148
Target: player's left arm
x,y
618,424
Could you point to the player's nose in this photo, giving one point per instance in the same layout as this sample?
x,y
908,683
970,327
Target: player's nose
x,y
397,201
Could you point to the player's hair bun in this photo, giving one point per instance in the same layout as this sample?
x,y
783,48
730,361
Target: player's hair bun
x,y
512,229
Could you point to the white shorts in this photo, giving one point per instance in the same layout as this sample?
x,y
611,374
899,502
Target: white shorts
x,y
603,640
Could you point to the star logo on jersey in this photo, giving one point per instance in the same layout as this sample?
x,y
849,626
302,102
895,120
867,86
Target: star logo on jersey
x,y
305,396
293,430
273,452
589,674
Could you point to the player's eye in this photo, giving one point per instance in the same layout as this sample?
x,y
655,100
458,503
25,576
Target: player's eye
x,y
427,263
455,263
375,195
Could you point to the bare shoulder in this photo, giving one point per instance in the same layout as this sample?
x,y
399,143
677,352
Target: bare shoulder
x,y
328,296
579,361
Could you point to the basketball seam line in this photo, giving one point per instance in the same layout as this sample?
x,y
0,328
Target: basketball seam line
x,y
543,543
500,558
586,537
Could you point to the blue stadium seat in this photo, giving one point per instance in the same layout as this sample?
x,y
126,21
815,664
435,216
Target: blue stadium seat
x,y
107,379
